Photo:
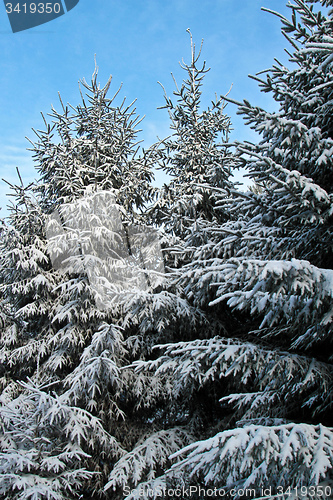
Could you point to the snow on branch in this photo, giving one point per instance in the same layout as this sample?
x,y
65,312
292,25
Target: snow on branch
x,y
43,443
98,370
247,456
302,198
274,376
146,457
281,290
157,310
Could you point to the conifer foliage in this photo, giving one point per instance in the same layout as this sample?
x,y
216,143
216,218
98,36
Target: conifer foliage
x,y
62,349
122,377
266,382
195,155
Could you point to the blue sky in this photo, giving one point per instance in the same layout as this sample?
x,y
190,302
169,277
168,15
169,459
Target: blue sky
x,y
139,42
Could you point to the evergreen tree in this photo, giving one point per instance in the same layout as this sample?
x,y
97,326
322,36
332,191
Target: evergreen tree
x,y
195,156
198,159
62,343
266,384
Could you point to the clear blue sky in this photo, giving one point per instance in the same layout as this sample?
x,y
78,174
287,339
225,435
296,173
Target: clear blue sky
x,y
139,42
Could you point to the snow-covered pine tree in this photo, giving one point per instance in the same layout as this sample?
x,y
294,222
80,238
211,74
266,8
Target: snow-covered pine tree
x,y
268,380
62,347
195,156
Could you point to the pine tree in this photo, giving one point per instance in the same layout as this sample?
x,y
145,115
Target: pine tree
x,y
62,341
198,159
195,156
92,145
266,384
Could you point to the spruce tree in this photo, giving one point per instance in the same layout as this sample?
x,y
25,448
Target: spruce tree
x,y
197,157
62,341
266,383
